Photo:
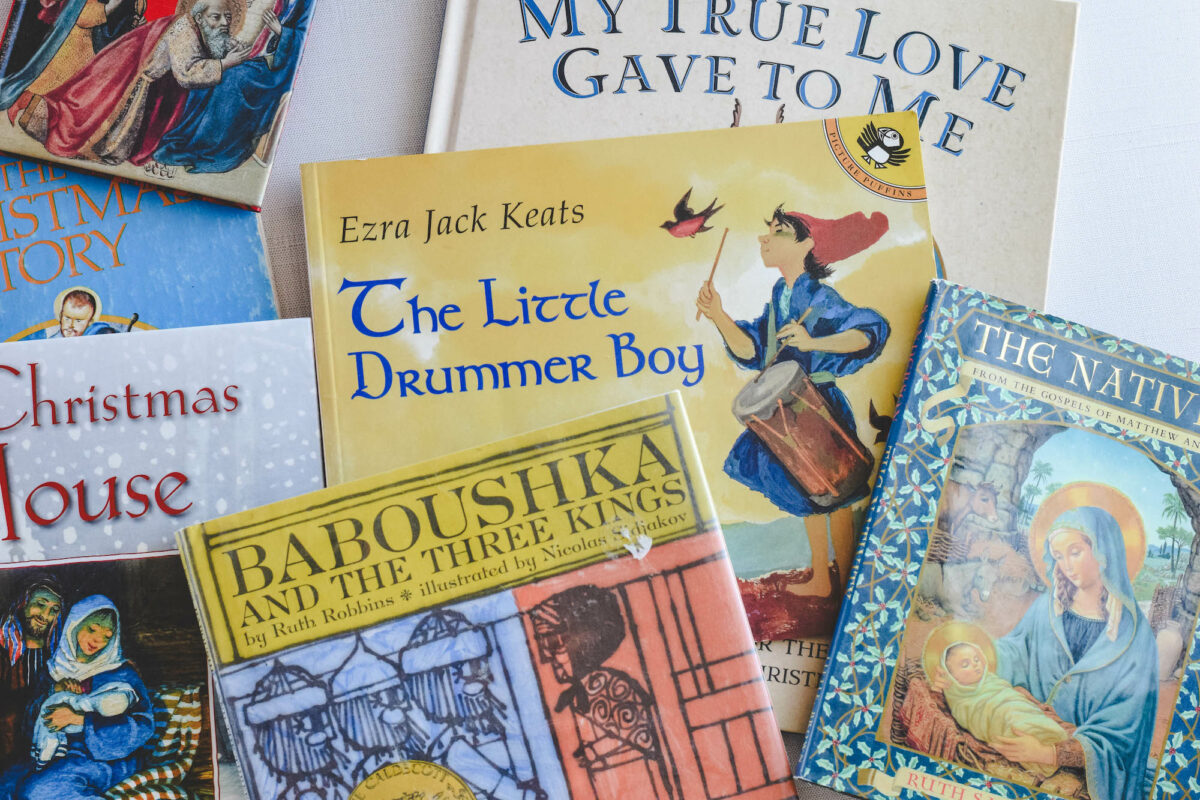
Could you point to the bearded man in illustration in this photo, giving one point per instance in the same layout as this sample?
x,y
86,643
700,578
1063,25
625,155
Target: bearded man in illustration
x,y
801,450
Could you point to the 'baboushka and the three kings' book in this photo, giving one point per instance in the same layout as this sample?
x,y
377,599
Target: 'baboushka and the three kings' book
x,y
189,94
448,630
1021,619
83,255
107,446
775,275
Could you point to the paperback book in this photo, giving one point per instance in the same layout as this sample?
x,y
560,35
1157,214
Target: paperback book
x,y
1021,621
988,82
450,630
188,94
82,255
770,274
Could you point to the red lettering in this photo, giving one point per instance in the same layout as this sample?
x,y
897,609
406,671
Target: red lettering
x,y
231,398
63,495
9,527
16,373
110,504
161,497
137,496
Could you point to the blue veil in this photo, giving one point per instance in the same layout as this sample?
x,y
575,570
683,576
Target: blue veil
x,y
15,85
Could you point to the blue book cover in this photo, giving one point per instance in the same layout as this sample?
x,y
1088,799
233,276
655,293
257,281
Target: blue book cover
x,y
82,255
1020,620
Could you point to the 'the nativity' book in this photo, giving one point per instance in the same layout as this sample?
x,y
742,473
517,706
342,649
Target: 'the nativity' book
x,y
987,79
82,255
190,95
1021,619
550,616
770,274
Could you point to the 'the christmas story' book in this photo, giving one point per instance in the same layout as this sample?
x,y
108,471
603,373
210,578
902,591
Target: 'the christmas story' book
x,y
1021,618
190,94
774,275
987,80
82,255
551,616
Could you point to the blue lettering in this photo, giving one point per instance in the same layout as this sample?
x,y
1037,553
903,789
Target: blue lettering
x,y
360,370
560,75
565,7
860,40
993,96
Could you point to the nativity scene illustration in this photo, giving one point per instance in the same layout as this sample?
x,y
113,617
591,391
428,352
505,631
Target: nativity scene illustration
x,y
195,85
1045,641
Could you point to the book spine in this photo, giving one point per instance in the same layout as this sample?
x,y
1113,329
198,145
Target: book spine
x,y
936,290
314,238
447,85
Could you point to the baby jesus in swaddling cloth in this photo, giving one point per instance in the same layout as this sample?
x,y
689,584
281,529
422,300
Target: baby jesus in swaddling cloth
x,y
989,707
109,700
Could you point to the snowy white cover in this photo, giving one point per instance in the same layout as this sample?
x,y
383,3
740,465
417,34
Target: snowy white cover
x,y
260,444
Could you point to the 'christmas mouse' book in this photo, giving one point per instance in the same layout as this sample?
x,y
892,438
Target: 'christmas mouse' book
x,y
83,255
189,94
550,616
774,275
1021,618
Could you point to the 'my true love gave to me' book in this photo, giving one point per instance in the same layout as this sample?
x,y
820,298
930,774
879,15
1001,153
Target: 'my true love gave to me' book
x,y
988,82
107,445
189,94
775,275
444,630
1021,621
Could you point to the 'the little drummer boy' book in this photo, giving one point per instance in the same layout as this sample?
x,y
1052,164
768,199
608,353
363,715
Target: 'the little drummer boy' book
x,y
1021,620
190,94
775,275
459,629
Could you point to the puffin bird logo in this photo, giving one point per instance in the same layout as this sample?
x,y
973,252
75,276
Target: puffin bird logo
x,y
688,222
882,147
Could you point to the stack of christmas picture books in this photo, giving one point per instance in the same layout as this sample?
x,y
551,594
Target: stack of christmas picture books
x,y
600,463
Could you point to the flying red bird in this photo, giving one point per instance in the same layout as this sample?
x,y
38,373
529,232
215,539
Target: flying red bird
x,y
688,222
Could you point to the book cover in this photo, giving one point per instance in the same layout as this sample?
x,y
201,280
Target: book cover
x,y
104,686
451,629
1021,620
190,95
989,83
108,445
757,270
82,255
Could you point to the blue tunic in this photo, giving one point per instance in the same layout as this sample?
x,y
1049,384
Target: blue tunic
x,y
1111,691
221,126
103,754
825,313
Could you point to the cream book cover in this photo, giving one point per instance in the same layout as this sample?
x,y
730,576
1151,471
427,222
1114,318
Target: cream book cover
x,y
988,79
775,275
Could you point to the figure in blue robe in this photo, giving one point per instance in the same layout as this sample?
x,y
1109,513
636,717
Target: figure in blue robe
x,y
1110,689
221,127
106,751
824,313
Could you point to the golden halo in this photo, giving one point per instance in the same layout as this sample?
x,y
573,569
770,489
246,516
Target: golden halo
x,y
62,296
1087,493
947,634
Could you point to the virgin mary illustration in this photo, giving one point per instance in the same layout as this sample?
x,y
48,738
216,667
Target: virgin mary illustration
x,y
1084,647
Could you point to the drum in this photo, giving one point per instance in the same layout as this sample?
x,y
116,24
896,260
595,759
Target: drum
x,y
786,412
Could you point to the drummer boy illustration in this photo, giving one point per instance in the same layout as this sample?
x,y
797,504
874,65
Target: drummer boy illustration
x,y
806,322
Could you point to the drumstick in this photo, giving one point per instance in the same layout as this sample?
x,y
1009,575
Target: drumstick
x,y
720,247
768,365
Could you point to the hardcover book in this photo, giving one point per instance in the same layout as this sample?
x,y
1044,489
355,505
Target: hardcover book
x,y
767,273
988,81
1021,619
82,255
189,94
104,685
456,629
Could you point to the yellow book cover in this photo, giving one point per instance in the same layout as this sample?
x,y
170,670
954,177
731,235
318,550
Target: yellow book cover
x,y
775,275
464,628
